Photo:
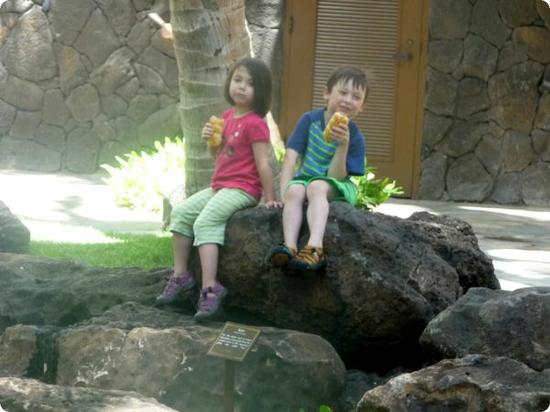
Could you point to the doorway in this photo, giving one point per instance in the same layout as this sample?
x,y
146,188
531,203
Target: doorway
x,y
386,38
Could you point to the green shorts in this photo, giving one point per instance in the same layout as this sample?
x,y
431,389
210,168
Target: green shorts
x,y
345,189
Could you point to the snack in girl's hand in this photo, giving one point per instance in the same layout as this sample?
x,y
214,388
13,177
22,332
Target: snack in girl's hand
x,y
217,125
336,120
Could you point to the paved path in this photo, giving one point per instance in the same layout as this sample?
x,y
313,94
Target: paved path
x,y
516,238
81,208
65,208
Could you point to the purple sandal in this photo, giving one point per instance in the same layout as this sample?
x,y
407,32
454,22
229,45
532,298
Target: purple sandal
x,y
176,285
210,301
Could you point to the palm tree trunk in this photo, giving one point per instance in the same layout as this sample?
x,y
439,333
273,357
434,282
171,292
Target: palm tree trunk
x,y
209,36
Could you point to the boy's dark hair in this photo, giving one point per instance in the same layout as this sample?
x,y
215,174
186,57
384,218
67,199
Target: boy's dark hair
x,y
261,80
345,74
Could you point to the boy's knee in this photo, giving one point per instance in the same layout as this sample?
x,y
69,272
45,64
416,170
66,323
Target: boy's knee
x,y
317,188
295,193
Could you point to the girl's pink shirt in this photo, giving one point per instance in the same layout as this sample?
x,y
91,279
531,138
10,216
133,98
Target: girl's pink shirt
x,y
235,163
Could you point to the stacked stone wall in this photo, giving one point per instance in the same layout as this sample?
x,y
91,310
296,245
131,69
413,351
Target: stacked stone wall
x,y
84,80
487,106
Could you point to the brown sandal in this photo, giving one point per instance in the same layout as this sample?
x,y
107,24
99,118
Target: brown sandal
x,y
309,258
281,254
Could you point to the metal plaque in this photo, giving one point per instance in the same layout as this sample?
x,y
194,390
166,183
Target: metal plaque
x,y
234,341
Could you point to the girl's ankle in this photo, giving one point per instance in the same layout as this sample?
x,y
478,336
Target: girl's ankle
x,y
181,274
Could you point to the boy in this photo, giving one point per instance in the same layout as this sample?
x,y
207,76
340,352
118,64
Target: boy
x,y
325,170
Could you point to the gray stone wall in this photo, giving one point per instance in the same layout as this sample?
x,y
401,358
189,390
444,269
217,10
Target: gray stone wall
x,y
84,80
487,104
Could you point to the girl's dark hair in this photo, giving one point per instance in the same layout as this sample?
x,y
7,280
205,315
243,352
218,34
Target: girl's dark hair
x,y
261,80
356,75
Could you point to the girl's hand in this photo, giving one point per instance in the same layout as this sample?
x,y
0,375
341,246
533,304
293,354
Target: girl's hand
x,y
207,131
273,204
340,134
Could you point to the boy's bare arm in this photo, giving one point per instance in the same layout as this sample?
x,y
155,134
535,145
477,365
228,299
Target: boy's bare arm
x,y
287,170
261,158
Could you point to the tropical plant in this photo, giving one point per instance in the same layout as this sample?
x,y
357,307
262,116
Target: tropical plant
x,y
279,152
142,180
322,408
372,192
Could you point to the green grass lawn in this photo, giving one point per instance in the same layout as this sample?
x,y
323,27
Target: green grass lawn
x,y
140,250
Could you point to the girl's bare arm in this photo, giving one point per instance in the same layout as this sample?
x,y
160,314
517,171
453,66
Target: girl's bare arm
x,y
261,157
287,170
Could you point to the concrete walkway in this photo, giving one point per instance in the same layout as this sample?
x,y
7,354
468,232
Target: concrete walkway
x,y
70,208
517,239
81,209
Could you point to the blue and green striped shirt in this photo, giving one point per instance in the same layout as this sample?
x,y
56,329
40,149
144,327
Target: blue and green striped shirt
x,y
307,140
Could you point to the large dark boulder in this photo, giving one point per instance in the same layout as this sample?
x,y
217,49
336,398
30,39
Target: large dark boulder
x,y
14,236
70,324
42,291
386,278
473,383
495,323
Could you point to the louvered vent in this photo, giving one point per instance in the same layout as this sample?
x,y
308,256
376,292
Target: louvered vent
x,y
364,34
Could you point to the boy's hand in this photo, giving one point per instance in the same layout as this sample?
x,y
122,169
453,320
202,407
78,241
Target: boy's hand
x,y
273,204
340,134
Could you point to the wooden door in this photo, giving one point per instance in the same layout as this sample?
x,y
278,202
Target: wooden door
x,y
387,38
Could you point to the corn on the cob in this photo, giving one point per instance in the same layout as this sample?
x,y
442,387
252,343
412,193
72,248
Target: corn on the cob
x,y
336,120
216,139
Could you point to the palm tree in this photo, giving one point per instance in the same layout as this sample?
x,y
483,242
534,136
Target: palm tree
x,y
209,36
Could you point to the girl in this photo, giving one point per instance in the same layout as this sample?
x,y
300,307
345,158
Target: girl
x,y
241,170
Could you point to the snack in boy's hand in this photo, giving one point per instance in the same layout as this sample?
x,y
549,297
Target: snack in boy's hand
x,y
336,120
216,139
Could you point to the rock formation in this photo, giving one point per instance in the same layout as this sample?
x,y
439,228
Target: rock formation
x,y
68,324
494,323
14,236
475,382
386,278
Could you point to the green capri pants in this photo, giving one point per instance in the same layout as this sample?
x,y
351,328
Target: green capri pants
x,y
203,216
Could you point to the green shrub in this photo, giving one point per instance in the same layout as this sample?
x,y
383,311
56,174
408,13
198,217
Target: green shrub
x,y
372,192
143,179
322,408
279,154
